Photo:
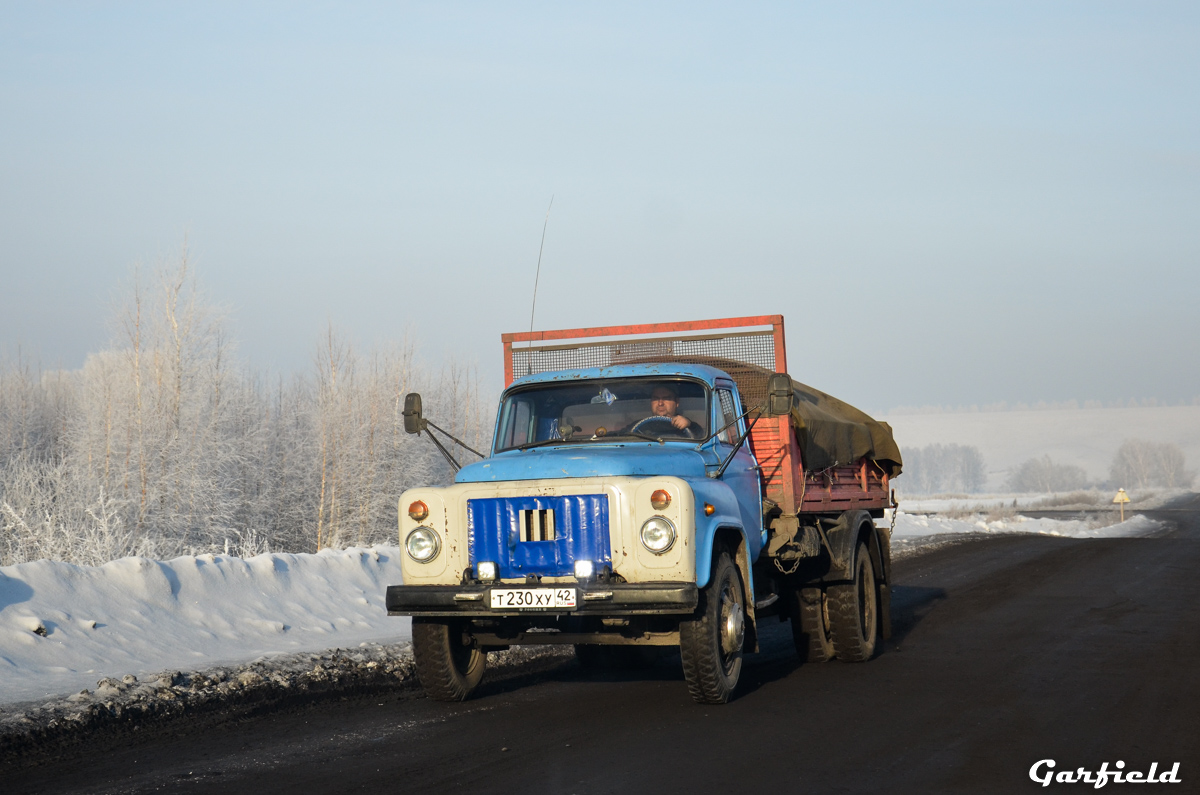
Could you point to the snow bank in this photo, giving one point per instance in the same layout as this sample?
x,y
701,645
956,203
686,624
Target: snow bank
x,y
909,526
1142,500
63,627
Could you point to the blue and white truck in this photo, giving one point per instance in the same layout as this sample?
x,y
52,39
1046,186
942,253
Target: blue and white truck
x,y
659,485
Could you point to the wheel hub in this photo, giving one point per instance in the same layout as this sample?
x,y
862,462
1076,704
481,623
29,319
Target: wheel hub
x,y
733,627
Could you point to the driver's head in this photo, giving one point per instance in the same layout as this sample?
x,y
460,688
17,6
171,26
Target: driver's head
x,y
664,401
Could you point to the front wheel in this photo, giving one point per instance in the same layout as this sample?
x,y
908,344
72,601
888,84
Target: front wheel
x,y
449,665
711,644
854,613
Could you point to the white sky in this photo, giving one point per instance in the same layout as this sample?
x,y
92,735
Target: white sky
x,y
951,203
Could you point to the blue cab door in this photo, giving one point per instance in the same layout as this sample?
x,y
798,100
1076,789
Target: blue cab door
x,y
742,474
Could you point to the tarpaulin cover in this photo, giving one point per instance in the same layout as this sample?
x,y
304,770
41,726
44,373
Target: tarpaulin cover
x,y
831,432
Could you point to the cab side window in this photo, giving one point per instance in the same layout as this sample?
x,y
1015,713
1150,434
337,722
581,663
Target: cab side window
x,y
519,421
726,413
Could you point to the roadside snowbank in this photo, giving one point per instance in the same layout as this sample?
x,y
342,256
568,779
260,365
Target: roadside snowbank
x,y
1089,500
63,627
919,526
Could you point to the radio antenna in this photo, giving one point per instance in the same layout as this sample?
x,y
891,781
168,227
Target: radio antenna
x,y
538,275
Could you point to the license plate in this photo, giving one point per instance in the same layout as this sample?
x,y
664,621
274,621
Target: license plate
x,y
533,598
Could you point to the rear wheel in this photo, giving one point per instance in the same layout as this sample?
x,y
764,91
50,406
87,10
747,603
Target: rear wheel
x,y
711,643
449,665
810,625
854,611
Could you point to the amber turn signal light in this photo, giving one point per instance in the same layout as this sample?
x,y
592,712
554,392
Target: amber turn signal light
x,y
418,511
708,509
660,500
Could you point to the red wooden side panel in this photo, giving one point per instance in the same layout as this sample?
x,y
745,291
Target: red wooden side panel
x,y
774,446
831,491
863,485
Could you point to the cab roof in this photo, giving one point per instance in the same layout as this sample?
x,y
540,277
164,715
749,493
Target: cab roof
x,y
700,372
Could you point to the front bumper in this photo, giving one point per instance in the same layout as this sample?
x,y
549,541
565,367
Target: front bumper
x,y
613,599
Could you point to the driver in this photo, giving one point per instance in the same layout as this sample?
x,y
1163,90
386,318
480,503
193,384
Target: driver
x,y
664,402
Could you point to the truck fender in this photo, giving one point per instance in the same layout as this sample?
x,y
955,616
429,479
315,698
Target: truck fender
x,y
733,539
843,537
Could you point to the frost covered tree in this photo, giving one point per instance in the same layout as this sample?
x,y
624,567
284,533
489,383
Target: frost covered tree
x,y
1140,463
161,444
1044,474
939,468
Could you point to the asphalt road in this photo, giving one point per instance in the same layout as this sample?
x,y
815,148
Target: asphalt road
x,y
1008,650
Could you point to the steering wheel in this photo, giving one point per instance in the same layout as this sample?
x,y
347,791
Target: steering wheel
x,y
667,427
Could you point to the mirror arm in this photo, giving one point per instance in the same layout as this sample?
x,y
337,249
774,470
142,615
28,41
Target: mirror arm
x,y
459,442
449,458
730,424
741,440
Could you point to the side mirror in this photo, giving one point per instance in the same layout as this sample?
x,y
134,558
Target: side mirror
x,y
780,394
413,422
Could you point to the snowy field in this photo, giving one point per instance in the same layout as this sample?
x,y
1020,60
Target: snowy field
x,y
64,627
1085,437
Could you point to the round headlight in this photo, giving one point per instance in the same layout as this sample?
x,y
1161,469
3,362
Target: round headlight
x,y
658,534
422,544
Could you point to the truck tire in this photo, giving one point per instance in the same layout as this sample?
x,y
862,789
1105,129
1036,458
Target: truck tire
x,y
711,644
810,625
854,611
449,668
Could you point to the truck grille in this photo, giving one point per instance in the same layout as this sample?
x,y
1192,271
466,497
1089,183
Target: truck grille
x,y
536,525
539,535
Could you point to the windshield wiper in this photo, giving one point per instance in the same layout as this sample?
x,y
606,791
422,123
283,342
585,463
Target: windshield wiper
x,y
543,442
638,434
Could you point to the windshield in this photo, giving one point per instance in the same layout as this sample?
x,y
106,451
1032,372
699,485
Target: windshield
x,y
594,411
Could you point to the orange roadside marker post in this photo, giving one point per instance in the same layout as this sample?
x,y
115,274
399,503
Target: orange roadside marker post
x,y
1121,499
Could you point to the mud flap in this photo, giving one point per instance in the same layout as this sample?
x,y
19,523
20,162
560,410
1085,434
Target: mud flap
x,y
883,538
842,542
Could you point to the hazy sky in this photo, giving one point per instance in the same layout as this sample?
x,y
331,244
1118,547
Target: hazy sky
x,y
951,203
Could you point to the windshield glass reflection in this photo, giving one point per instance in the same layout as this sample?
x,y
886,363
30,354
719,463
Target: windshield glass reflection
x,y
594,411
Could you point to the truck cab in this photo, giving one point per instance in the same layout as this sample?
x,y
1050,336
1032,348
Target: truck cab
x,y
596,518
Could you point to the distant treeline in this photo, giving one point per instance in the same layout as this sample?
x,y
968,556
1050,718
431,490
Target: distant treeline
x,y
946,468
941,468
162,445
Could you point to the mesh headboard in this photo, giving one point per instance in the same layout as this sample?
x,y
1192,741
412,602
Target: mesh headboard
x,y
748,348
